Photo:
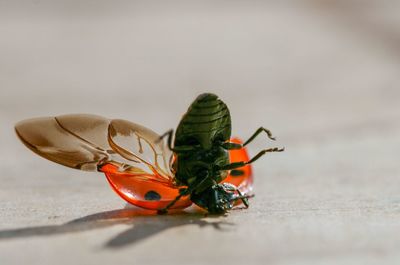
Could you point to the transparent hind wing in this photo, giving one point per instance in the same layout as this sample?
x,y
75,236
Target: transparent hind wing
x,y
55,139
85,141
141,146
134,160
90,128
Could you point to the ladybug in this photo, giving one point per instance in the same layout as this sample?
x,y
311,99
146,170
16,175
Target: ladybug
x,y
199,164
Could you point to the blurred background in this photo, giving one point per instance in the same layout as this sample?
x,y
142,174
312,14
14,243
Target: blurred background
x,y
324,76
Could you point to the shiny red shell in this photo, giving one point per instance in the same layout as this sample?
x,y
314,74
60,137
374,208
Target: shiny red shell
x,y
153,194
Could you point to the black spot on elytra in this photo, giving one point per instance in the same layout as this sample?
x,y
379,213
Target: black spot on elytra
x,y
152,196
237,173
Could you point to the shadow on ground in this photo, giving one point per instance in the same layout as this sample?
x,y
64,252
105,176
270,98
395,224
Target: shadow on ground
x,y
144,224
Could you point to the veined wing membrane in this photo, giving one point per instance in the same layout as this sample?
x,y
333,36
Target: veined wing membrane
x,y
89,128
83,142
55,140
139,144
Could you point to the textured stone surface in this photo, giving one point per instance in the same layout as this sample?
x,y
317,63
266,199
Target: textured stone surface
x,y
324,76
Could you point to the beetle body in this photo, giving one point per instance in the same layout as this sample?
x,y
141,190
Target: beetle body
x,y
200,133
209,168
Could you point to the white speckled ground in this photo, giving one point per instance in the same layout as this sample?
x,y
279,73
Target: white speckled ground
x,y
324,76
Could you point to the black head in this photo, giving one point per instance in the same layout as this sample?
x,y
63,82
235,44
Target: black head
x,y
217,199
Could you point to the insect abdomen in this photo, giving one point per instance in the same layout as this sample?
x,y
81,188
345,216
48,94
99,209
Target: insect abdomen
x,y
207,118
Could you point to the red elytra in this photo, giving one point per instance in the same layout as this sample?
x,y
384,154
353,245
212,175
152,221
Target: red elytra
x,y
137,190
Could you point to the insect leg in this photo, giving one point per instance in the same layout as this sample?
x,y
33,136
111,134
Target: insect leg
x,y
234,146
176,149
263,152
244,198
182,192
259,130
242,163
168,133
231,146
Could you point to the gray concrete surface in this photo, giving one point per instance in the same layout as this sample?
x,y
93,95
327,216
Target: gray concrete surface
x,y
324,76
